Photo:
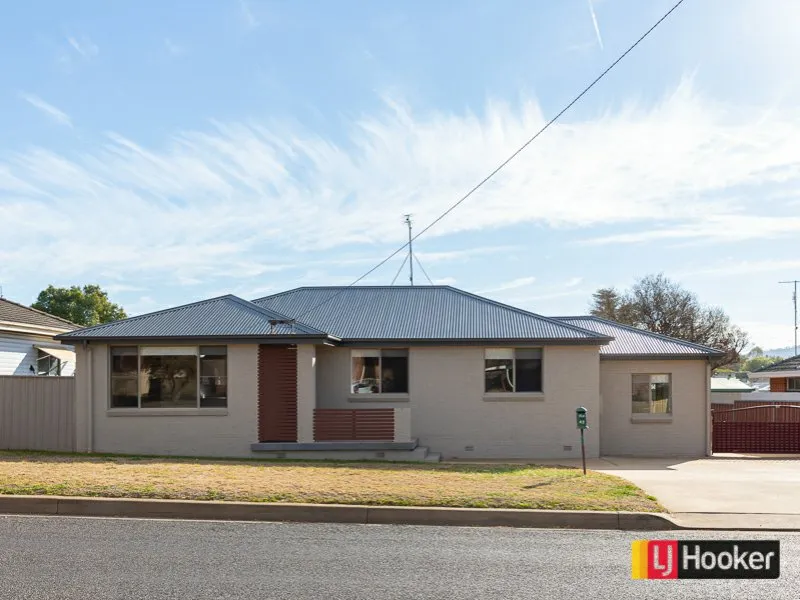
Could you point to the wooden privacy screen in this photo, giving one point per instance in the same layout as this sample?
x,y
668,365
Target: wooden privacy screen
x,y
366,424
277,394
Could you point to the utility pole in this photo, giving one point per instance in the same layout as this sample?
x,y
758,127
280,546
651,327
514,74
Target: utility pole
x,y
794,301
411,251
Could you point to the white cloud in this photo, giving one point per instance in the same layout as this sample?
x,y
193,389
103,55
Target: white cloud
x,y
743,267
596,26
59,116
174,48
83,46
247,15
249,198
510,285
573,281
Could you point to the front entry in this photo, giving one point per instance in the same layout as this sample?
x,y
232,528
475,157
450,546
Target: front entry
x,y
277,393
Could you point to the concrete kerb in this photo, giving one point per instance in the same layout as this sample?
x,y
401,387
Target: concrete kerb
x,y
333,513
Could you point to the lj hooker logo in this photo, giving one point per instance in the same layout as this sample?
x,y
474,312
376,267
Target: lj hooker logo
x,y
696,559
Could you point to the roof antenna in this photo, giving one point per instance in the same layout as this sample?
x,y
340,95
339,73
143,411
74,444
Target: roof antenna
x,y
410,251
794,301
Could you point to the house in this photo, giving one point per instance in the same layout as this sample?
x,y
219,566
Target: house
x,y
384,372
27,346
784,379
727,390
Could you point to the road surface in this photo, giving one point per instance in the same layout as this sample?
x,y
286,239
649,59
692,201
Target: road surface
x,y
62,557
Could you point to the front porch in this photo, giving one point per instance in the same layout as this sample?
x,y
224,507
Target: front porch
x,y
291,425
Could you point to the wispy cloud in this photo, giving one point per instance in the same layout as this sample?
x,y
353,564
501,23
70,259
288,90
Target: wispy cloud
x,y
249,18
572,282
594,22
742,267
83,46
173,48
59,116
510,285
245,199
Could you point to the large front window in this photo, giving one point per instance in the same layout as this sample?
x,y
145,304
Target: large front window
x,y
793,384
169,377
513,370
379,371
652,393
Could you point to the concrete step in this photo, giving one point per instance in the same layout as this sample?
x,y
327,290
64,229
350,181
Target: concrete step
x,y
433,457
416,454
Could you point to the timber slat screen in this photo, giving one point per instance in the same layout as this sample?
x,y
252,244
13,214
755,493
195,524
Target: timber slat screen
x,y
355,425
277,394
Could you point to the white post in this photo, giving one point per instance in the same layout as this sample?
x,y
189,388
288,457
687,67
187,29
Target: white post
x,y
402,424
306,391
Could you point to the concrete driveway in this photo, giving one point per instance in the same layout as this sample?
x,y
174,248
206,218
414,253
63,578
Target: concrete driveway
x,y
721,484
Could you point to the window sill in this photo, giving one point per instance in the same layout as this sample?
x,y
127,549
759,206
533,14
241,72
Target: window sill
x,y
166,412
651,418
513,397
378,398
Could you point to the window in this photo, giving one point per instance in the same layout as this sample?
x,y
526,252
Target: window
x,y
47,364
793,384
513,369
169,377
652,394
379,371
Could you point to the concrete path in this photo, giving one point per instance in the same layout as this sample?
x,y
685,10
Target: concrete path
x,y
728,491
730,484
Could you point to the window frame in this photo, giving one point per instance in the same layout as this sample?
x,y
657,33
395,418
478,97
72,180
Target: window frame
x,y
651,413
171,350
514,350
380,393
53,370
795,387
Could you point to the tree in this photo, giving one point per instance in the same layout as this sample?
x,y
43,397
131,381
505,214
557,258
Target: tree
x,y
658,304
85,306
758,362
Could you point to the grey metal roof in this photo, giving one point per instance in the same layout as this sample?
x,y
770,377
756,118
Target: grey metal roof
x,y
226,316
632,342
419,313
790,364
25,315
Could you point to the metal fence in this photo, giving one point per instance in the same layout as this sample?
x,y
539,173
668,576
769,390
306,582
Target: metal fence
x,y
37,413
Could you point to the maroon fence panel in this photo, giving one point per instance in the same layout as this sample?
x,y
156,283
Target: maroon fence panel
x,y
778,438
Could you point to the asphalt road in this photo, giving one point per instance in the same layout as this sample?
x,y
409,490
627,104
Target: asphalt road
x,y
61,557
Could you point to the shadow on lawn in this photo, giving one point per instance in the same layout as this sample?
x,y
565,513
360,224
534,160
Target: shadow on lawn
x,y
39,456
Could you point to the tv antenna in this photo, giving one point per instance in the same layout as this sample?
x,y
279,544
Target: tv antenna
x,y
794,301
410,257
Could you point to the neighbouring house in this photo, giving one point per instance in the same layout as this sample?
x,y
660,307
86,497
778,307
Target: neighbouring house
x,y
27,346
385,372
783,377
727,390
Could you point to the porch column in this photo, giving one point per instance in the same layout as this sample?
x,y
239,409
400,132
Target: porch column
x,y
306,391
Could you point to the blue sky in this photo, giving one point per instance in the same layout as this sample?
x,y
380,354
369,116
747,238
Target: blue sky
x,y
172,151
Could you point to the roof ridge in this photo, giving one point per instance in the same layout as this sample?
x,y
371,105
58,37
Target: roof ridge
x,y
270,313
593,334
347,287
41,312
644,331
157,312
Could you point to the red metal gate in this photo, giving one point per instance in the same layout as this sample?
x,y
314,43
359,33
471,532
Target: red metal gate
x,y
764,428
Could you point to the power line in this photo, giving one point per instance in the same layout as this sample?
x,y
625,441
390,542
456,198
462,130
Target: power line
x,y
502,165
423,270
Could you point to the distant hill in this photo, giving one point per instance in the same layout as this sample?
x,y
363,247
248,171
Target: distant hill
x,y
786,352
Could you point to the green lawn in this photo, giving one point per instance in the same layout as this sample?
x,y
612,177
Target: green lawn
x,y
375,483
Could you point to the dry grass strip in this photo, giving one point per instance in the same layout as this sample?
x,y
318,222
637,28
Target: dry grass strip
x,y
397,484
